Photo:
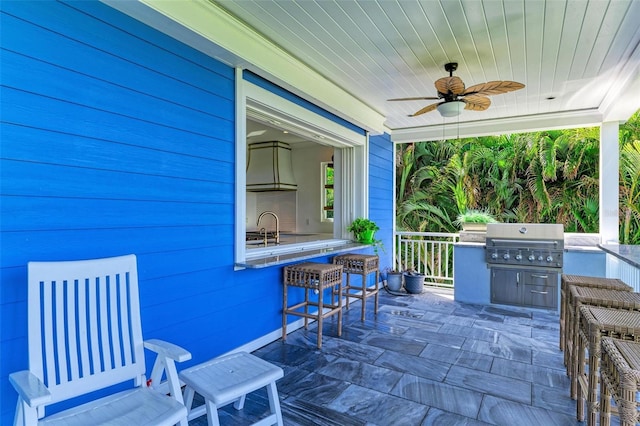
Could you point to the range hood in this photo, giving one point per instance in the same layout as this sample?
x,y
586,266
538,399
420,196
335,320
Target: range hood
x,y
269,167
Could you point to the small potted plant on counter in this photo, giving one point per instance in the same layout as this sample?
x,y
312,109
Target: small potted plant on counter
x,y
364,230
475,220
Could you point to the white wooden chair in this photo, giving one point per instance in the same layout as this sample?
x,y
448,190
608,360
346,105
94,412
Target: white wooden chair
x,y
85,334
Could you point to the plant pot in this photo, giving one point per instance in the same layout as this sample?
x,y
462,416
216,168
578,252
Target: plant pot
x,y
414,283
394,281
366,237
474,227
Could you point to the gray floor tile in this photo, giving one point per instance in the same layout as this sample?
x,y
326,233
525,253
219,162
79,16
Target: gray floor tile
x,y
443,418
425,368
504,412
469,332
457,400
440,353
555,399
395,343
379,408
500,350
363,374
440,338
491,384
474,360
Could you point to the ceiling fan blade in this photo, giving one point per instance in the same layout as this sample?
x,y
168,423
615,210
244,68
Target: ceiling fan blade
x,y
476,102
419,98
493,88
450,85
426,109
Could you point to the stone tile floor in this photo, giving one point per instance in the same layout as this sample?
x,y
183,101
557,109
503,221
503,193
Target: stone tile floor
x,y
423,360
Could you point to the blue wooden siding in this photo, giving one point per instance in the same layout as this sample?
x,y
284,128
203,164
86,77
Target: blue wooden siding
x,y
117,139
381,192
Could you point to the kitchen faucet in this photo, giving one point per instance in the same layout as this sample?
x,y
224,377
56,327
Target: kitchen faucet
x,y
277,226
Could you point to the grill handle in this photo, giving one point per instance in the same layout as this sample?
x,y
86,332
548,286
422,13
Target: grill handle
x,y
495,241
544,277
539,292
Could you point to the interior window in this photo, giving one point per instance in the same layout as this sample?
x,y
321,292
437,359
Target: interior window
x,y
312,142
326,192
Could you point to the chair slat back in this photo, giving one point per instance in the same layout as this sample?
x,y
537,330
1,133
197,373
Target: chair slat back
x,y
84,324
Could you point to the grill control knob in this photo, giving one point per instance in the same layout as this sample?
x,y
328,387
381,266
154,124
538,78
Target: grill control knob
x,y
494,255
540,258
549,258
506,256
518,256
531,258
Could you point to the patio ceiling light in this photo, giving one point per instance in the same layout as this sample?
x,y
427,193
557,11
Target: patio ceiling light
x,y
451,109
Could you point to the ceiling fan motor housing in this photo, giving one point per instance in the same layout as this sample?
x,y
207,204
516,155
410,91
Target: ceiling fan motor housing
x,y
451,67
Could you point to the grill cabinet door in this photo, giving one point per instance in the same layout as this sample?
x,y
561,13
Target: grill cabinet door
x,y
506,286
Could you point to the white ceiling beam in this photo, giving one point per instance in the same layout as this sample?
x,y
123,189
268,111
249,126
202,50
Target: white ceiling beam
x,y
451,129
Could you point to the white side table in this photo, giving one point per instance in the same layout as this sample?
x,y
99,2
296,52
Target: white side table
x,y
230,378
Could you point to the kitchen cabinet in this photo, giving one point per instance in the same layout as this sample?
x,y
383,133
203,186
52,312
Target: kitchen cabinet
x,y
505,286
523,287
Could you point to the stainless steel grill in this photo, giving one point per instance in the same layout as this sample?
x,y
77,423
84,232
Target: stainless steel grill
x,y
525,260
528,245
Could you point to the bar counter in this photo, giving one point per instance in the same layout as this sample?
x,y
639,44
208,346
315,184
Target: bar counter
x,y
627,253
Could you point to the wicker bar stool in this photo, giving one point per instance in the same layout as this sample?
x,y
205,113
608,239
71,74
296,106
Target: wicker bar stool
x,y
595,324
583,281
316,277
620,379
579,296
360,264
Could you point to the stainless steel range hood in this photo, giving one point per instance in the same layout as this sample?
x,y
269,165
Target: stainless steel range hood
x,y
270,167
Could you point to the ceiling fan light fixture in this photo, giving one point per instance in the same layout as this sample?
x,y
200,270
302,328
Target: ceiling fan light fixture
x,y
451,109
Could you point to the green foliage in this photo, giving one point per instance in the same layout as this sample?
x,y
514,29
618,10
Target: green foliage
x,y
475,216
361,224
545,177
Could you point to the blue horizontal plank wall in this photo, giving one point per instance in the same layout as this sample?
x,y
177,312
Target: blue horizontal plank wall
x,y
381,151
118,139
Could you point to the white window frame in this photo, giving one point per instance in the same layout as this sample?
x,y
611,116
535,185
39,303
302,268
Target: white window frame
x,y
350,156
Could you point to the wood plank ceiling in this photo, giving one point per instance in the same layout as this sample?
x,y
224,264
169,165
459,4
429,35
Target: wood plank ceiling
x,y
574,56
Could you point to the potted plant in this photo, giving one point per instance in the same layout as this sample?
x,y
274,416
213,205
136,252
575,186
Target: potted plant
x,y
394,279
363,229
475,220
413,282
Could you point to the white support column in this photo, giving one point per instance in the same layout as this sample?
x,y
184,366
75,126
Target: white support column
x,y
609,181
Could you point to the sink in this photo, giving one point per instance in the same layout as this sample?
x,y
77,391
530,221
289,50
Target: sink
x,y
259,236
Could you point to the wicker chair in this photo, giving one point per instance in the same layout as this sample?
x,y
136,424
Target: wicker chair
x,y
579,296
620,380
583,281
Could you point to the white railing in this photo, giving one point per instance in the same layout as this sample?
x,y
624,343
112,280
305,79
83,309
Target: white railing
x,y
428,253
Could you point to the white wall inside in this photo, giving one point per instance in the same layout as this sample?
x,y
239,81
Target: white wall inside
x,y
282,203
308,172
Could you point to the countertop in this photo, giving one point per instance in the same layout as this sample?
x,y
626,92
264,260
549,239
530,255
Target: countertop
x,y
302,254
628,253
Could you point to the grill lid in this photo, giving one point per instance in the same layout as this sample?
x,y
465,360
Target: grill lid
x,y
525,231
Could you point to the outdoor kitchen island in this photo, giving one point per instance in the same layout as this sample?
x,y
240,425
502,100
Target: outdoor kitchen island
x,y
472,272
